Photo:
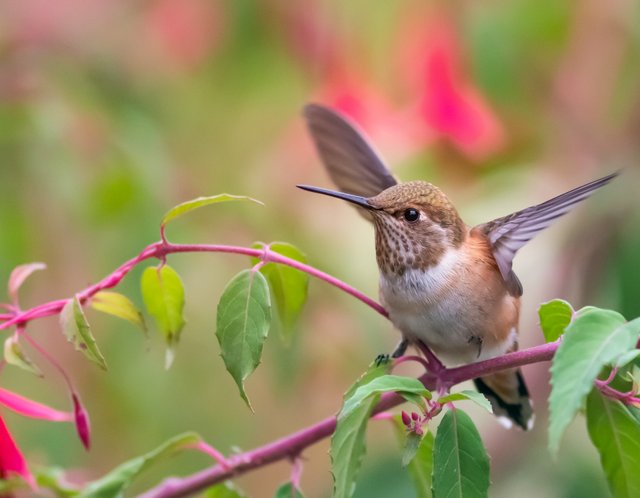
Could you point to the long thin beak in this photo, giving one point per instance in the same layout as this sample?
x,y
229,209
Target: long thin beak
x,y
355,199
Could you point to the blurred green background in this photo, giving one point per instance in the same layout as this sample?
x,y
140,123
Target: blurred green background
x,y
113,111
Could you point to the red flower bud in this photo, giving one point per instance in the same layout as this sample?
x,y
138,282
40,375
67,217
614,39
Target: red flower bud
x,y
82,421
406,420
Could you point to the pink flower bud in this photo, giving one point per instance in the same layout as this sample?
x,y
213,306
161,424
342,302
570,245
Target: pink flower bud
x,y
406,420
82,421
415,416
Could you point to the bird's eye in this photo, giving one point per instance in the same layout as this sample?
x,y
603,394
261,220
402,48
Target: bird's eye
x,y
411,215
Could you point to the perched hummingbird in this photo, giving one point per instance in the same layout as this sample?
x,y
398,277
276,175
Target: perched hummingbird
x,y
443,283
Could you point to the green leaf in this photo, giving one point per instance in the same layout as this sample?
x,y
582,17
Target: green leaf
x,y
288,285
163,296
411,447
9,486
594,339
460,461
115,482
187,206
223,490
53,479
415,399
420,466
616,434
348,440
586,309
14,355
77,331
554,318
244,316
634,412
379,385
119,305
625,358
478,398
287,490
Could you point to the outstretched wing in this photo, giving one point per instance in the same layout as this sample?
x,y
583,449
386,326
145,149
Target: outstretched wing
x,y
351,162
510,233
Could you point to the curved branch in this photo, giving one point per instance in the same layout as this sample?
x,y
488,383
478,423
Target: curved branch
x,y
161,250
291,445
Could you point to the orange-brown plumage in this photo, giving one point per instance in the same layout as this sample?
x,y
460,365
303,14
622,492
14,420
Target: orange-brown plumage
x,y
443,283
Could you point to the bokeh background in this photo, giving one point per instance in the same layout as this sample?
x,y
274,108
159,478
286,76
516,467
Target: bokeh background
x,y
113,111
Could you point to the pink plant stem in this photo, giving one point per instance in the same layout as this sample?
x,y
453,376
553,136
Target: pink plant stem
x,y
435,365
293,444
212,452
160,250
628,398
273,257
296,472
536,354
290,446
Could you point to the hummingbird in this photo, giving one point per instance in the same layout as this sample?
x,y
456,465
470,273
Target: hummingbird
x,y
444,284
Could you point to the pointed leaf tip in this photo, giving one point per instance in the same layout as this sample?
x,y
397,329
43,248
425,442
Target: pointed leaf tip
x,y
478,398
14,355
119,305
199,202
595,338
77,331
288,490
242,324
164,297
555,316
385,383
115,482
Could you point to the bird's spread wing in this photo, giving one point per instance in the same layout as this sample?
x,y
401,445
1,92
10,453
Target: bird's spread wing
x,y
508,234
352,163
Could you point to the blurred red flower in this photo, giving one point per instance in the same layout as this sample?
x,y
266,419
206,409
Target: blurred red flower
x,y
12,460
441,99
450,103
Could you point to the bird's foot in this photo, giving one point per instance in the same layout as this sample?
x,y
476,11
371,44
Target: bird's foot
x,y
382,359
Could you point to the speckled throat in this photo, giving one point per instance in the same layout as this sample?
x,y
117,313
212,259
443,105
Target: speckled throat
x,y
401,246
397,250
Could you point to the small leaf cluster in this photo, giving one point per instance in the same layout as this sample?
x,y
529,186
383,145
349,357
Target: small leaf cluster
x,y
596,370
244,311
454,461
